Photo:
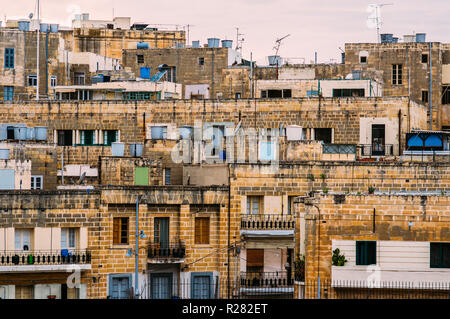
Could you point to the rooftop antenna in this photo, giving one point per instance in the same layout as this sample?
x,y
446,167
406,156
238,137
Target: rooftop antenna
x,y
239,40
277,48
374,19
37,51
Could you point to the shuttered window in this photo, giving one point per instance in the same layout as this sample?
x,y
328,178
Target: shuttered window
x,y
366,252
22,239
120,230
9,58
68,238
254,204
255,261
202,230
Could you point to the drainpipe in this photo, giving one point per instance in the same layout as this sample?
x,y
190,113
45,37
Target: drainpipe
x,y
46,64
430,95
137,250
229,232
399,131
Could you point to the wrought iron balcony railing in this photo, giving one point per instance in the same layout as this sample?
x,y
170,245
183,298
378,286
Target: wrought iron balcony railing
x,y
166,250
267,222
376,149
266,279
42,257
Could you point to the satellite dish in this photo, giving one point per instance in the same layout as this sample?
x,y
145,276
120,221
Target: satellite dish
x,y
30,16
82,177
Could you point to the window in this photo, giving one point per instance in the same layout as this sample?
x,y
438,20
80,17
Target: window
x,y
202,285
68,238
87,137
202,230
201,61
161,234
291,205
9,58
32,80
446,95
348,92
254,204
171,73
110,136
362,59
141,96
323,134
120,230
78,78
366,252
440,255
397,74
425,96
237,95
276,93
424,58
65,138
10,133
53,81
8,93
167,176
22,239
140,58
36,182
267,151
255,261
120,286
159,132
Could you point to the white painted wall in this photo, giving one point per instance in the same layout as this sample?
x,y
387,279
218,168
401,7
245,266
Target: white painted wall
x,y
405,261
202,89
371,88
7,292
391,130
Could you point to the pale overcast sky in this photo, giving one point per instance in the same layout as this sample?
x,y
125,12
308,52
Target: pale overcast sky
x,y
320,26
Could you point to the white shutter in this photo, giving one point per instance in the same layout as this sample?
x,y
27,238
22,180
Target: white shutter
x,y
63,238
26,238
71,238
17,239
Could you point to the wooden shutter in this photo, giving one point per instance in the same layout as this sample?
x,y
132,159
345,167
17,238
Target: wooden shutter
x,y
202,230
116,230
255,257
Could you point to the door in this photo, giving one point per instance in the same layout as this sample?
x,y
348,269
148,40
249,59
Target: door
x,y
24,292
161,286
162,232
378,139
120,287
201,287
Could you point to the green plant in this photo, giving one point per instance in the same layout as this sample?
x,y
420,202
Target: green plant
x,y
358,193
371,189
325,190
299,268
346,190
442,193
311,177
323,176
338,259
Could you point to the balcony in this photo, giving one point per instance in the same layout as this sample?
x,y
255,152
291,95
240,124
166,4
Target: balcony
x,y
267,283
166,253
376,150
42,260
267,225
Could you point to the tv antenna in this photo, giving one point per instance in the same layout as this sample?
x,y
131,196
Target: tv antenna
x,y
374,19
278,44
239,40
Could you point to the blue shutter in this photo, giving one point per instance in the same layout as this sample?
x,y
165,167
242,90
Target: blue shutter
x,y
9,58
7,179
145,73
8,93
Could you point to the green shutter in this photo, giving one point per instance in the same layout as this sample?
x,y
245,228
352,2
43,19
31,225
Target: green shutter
x,y
366,252
141,176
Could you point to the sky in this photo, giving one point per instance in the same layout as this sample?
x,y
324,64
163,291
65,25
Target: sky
x,y
321,26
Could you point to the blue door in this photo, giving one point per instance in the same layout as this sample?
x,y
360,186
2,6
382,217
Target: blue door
x,y
201,287
120,287
161,286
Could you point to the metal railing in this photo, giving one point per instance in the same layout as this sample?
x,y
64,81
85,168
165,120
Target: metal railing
x,y
267,222
165,251
372,290
266,279
41,257
376,150
339,148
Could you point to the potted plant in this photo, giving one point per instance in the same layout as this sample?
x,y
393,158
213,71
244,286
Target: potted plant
x,y
337,258
371,189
